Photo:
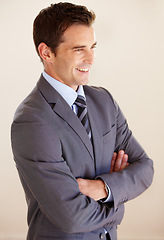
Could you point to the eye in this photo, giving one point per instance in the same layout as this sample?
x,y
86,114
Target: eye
x,y
93,47
79,50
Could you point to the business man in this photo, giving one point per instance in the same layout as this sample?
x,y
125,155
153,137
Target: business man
x,y
77,159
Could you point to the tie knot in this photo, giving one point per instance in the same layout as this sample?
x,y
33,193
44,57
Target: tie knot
x,y
80,101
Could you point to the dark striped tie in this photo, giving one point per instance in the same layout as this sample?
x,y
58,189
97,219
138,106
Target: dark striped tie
x,y
82,113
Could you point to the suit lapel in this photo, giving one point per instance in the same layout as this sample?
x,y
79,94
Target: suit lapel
x,y
96,134
66,113
62,109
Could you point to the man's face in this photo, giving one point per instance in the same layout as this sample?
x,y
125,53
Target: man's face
x,y
74,56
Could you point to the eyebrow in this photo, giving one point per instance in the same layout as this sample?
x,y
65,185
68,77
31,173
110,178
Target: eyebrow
x,y
83,46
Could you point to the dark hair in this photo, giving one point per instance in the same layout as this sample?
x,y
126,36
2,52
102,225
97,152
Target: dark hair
x,y
51,23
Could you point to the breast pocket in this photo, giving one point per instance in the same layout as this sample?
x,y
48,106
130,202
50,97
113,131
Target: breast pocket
x,y
110,135
109,140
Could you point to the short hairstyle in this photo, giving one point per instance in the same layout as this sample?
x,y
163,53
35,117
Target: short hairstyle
x,y
51,22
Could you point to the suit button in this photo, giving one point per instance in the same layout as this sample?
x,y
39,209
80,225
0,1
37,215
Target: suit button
x,y
102,236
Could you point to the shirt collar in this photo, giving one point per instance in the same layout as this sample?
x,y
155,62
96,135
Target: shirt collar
x,y
68,93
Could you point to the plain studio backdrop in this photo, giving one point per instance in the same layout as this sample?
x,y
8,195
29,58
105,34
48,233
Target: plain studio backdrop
x,y
129,63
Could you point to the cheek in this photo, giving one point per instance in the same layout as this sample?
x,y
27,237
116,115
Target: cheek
x,y
66,70
61,66
74,60
68,64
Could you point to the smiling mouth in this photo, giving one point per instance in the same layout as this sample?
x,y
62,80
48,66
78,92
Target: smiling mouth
x,y
83,69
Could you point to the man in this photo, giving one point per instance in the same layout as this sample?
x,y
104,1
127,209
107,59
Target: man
x,y
77,159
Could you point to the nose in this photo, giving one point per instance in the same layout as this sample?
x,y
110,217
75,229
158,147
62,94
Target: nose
x,y
89,57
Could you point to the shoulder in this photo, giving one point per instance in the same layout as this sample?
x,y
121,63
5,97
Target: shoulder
x,y
100,91
30,108
100,95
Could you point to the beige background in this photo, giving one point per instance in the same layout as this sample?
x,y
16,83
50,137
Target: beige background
x,y
130,64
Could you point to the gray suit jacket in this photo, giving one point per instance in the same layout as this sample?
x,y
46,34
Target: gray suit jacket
x,y
51,149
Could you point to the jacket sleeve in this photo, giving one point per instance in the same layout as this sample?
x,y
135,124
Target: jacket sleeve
x,y
137,177
38,156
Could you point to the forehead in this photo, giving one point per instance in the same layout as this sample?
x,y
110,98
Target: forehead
x,y
79,34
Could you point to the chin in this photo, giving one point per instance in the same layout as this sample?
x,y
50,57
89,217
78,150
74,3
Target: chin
x,y
84,82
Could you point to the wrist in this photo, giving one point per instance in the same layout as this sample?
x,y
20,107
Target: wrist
x,y
106,189
103,189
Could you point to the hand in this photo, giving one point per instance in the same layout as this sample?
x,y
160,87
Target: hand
x,y
92,188
96,188
119,161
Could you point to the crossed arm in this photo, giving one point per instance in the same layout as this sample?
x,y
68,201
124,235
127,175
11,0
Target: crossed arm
x,y
96,188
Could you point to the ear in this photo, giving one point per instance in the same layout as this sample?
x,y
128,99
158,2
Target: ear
x,y
45,52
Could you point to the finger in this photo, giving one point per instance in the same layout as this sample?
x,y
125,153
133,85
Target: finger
x,y
118,161
124,163
113,162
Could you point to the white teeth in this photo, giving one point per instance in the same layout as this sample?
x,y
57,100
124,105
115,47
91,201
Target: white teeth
x,y
82,69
